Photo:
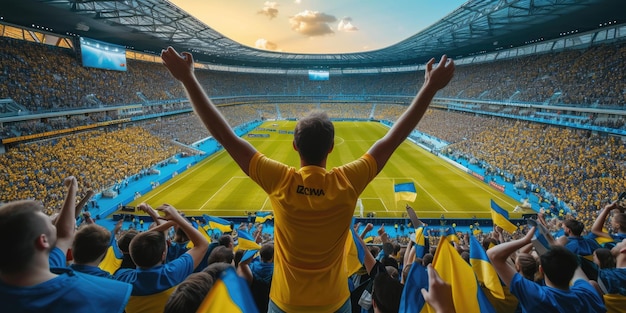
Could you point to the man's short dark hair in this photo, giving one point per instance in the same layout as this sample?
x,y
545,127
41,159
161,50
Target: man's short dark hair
x,y
190,293
574,226
124,242
20,225
267,252
314,136
221,254
147,248
90,243
387,293
225,240
559,265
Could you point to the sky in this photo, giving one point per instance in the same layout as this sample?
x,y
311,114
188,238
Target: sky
x,y
318,26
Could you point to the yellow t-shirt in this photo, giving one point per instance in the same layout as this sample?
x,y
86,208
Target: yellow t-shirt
x,y
313,209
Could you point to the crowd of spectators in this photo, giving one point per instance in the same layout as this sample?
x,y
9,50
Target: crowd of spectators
x,y
42,77
579,167
583,169
98,159
386,280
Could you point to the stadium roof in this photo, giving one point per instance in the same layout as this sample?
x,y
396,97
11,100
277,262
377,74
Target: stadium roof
x,y
478,26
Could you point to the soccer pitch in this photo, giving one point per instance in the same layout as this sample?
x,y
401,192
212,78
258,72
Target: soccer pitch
x,y
216,186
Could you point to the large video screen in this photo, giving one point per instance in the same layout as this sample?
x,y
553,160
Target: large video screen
x,y
103,55
318,75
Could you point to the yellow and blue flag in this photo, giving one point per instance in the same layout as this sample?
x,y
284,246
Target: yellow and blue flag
x,y
245,241
599,239
484,270
111,262
262,217
113,258
202,231
230,293
500,217
249,254
466,292
218,223
420,242
450,232
412,299
354,252
405,191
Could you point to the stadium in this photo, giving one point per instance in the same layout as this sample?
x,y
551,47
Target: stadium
x,y
533,121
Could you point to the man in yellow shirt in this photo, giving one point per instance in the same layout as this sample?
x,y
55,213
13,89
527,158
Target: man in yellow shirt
x,y
309,275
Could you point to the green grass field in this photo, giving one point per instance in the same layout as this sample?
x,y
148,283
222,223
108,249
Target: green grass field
x,y
216,186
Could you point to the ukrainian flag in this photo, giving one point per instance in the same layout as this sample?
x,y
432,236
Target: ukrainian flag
x,y
450,232
112,259
246,242
600,240
420,242
500,217
202,231
218,223
484,270
405,191
230,293
354,252
412,299
262,217
466,292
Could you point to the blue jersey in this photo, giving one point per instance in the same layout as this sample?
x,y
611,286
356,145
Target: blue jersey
x,y
262,271
581,246
581,297
91,270
57,258
613,280
68,292
153,286
175,250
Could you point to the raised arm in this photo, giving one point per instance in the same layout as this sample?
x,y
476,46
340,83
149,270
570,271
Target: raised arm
x,y
500,253
66,221
200,244
146,208
369,262
596,229
181,67
83,202
366,229
434,79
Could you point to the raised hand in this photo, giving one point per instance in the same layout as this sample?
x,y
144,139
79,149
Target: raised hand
x,y
439,293
439,76
170,212
70,182
179,65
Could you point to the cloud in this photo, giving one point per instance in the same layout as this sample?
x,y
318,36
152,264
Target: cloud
x,y
264,44
269,9
298,1
312,23
345,25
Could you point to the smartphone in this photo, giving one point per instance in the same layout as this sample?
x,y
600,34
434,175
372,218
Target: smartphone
x,y
621,196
